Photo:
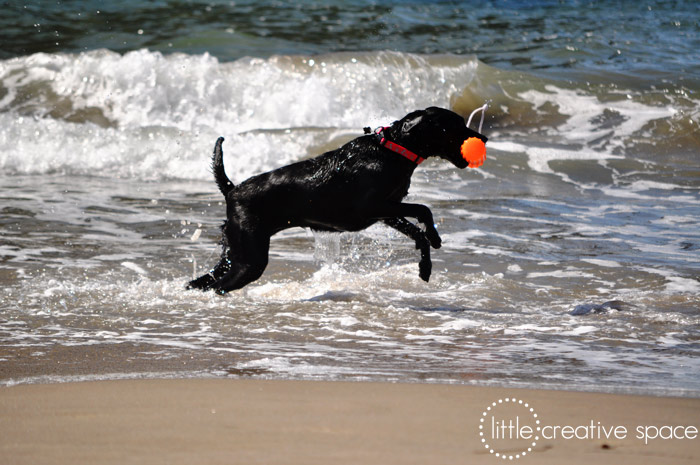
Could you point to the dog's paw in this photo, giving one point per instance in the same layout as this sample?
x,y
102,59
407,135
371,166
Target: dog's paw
x,y
220,291
425,267
202,283
434,238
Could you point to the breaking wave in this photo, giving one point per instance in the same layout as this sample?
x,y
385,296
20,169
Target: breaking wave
x,y
151,116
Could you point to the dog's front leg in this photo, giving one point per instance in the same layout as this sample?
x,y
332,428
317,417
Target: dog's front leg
x,y
412,210
404,226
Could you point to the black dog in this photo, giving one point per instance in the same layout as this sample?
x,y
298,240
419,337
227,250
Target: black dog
x,y
347,189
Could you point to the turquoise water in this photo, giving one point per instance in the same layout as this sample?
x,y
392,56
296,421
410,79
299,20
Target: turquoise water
x,y
569,260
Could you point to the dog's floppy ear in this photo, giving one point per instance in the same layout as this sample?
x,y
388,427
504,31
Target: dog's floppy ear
x,y
411,120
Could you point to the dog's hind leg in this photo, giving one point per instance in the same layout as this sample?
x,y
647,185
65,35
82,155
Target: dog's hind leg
x,y
247,263
206,281
404,226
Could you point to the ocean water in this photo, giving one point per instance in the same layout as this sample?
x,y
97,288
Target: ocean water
x,y
570,259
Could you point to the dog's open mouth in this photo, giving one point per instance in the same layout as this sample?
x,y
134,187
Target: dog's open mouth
x,y
460,163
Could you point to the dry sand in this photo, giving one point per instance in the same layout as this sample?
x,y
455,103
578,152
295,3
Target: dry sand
x,y
308,422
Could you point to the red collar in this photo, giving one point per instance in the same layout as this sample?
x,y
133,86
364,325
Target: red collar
x,y
403,151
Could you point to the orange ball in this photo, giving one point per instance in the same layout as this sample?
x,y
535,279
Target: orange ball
x,y
474,151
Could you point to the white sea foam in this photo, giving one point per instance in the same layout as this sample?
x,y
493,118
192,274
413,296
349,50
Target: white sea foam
x,y
678,284
163,113
561,274
603,263
584,112
134,267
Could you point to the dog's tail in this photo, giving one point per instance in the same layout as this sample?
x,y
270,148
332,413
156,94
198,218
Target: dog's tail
x,y
217,166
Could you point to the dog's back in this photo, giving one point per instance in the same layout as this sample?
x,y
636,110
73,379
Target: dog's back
x,y
331,192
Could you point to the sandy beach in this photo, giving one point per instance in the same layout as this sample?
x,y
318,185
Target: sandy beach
x,y
257,421
569,261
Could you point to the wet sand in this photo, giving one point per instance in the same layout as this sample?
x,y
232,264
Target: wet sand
x,y
306,422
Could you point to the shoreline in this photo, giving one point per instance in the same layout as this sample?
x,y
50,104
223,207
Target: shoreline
x,y
680,393
275,421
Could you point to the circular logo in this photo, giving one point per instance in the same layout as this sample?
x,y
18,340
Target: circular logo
x,y
509,428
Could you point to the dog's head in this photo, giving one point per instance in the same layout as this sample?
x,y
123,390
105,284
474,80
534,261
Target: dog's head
x,y
434,132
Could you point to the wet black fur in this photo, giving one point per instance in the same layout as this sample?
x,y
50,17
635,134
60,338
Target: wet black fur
x,y
347,189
